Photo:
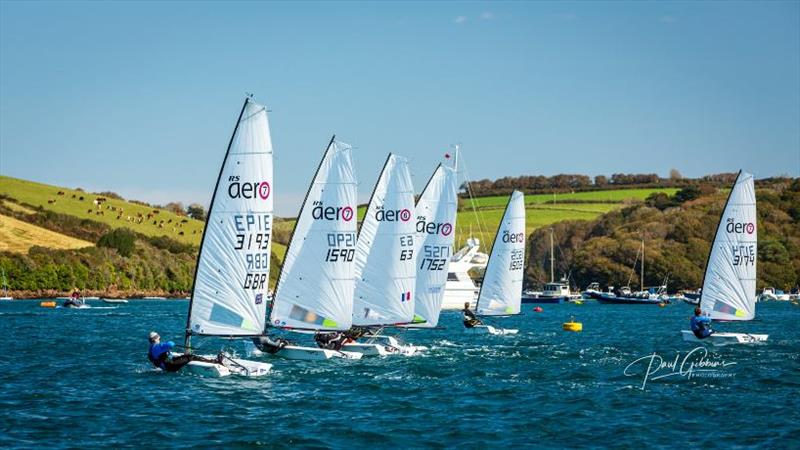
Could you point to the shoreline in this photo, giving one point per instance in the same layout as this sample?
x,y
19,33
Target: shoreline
x,y
111,294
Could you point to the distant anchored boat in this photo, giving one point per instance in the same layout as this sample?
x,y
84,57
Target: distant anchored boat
x,y
646,296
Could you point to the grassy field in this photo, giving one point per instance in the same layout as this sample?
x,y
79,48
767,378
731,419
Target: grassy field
x,y
617,196
116,213
17,236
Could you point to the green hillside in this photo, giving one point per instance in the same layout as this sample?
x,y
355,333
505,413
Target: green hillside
x,y
605,196
113,212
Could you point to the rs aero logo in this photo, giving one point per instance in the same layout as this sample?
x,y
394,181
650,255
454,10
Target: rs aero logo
x,y
423,226
740,227
392,215
513,237
322,212
248,190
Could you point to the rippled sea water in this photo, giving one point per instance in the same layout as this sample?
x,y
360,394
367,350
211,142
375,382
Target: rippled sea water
x,y
80,379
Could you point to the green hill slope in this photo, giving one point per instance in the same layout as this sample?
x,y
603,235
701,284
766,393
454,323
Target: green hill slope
x,y
113,212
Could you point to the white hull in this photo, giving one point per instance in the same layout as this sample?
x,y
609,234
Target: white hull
x,y
368,349
455,297
6,298
232,366
488,329
719,339
297,352
391,347
114,300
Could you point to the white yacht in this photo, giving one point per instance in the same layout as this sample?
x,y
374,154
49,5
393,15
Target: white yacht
x,y
460,287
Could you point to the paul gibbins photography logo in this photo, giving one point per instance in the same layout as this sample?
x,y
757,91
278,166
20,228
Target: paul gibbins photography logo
x,y
697,363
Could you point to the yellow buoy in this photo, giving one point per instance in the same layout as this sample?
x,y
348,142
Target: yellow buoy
x,y
572,325
578,302
48,304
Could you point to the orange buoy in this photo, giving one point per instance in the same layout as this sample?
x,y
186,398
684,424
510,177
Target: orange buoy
x,y
47,304
538,309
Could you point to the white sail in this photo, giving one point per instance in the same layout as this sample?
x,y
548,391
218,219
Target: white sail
x,y
436,225
501,291
315,287
230,287
385,265
729,284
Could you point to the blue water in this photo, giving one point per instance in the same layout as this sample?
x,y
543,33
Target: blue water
x,y
79,378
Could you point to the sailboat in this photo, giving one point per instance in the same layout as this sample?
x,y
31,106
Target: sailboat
x,y
553,292
385,260
501,291
5,295
436,224
646,296
229,292
314,293
729,282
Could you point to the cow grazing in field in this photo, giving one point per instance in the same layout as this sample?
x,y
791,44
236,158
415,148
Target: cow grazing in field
x,y
181,233
73,195
80,198
89,211
51,201
155,211
60,193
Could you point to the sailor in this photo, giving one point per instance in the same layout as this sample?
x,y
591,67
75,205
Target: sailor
x,y
159,355
470,320
330,341
74,300
701,325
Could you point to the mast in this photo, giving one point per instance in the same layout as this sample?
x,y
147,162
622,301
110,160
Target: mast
x,y
641,282
188,337
552,258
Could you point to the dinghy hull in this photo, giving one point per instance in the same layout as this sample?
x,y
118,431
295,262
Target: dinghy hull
x,y
719,339
229,366
297,352
488,329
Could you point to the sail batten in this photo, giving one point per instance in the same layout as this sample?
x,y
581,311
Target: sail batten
x,y
436,224
501,290
729,282
315,286
385,253
231,280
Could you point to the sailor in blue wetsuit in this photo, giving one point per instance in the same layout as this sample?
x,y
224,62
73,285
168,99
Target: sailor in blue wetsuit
x,y
701,325
159,355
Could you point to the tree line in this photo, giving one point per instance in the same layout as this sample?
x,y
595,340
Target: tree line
x,y
538,184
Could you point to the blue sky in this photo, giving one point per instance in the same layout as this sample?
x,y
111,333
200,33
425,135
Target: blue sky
x,y
141,98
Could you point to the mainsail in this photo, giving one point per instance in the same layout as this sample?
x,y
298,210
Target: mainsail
x,y
501,291
385,259
315,287
729,283
436,225
229,296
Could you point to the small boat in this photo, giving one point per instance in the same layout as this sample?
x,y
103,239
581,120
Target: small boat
x,y
154,298
624,295
553,292
91,298
501,290
729,281
314,294
115,300
770,293
230,282
5,295
593,287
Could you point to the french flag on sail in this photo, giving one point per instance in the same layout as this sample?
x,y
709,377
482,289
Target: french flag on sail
x,y
405,296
